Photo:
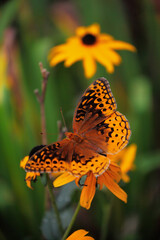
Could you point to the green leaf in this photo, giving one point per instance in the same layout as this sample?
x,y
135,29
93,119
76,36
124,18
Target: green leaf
x,y
6,195
146,163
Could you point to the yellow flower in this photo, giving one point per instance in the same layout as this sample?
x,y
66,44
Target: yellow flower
x,y
126,158
79,235
89,45
30,176
109,178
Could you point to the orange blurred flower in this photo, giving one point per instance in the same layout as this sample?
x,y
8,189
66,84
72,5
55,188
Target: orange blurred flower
x,y
79,235
125,159
89,45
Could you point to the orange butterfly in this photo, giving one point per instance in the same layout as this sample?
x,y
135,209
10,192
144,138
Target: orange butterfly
x,y
98,130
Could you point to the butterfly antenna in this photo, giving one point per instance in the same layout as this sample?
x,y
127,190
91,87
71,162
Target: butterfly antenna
x,y
63,120
42,133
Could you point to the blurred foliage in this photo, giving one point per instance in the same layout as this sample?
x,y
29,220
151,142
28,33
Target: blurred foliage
x,y
28,29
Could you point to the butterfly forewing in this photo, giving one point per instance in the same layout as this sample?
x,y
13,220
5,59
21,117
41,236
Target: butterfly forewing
x,y
96,103
51,158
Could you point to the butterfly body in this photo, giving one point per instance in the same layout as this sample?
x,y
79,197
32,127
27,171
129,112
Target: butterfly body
x,y
75,137
98,130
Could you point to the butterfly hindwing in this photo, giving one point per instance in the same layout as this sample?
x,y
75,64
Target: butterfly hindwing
x,y
85,158
112,134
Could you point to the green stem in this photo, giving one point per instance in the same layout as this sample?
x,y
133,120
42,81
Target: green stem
x,y
72,221
41,99
105,220
54,205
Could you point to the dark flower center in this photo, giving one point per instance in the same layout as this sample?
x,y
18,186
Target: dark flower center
x,y
89,39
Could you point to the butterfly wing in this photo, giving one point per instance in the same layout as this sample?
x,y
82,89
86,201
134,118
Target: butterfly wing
x,y
96,104
51,158
97,120
112,134
85,158
65,155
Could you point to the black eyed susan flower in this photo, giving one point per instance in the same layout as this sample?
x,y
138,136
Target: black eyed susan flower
x,y
89,45
118,168
109,178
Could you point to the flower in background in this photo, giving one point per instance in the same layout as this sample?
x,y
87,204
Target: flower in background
x,y
9,72
89,45
79,235
126,158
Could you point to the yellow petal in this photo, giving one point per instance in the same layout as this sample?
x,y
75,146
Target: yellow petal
x,y
88,191
114,172
128,158
113,186
59,57
23,162
103,60
115,44
79,235
125,178
116,157
100,182
104,38
92,29
109,54
89,65
30,176
77,181
57,49
63,179
72,59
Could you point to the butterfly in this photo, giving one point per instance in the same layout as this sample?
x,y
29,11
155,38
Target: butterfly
x,y
98,131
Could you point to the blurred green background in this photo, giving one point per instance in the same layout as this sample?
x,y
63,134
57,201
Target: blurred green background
x,y
28,29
